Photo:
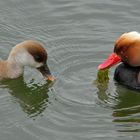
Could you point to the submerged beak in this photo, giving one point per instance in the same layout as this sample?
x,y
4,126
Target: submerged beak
x,y
46,72
113,59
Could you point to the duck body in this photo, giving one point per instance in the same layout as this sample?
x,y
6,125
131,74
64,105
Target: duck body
x,y
9,70
127,51
28,53
127,76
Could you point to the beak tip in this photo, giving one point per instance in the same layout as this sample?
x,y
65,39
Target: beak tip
x,y
51,78
102,67
99,67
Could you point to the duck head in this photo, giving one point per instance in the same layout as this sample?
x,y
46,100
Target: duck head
x,y
126,49
30,53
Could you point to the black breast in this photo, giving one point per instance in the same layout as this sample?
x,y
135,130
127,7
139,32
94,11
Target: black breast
x,y
127,75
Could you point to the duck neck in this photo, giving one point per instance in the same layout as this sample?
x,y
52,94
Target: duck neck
x,y
14,70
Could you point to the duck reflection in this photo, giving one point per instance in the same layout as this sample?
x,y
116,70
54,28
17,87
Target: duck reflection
x,y
125,105
128,103
32,98
127,111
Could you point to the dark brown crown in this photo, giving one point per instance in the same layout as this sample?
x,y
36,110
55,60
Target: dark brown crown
x,y
37,51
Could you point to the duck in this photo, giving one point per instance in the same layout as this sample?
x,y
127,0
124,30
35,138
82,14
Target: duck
x,y
127,53
27,53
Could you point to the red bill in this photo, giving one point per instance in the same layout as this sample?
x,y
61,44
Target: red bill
x,y
112,60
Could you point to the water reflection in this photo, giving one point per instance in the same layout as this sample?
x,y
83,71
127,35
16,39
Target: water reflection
x,y
125,105
32,98
101,82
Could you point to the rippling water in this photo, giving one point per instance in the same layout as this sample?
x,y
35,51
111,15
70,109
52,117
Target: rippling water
x,y
78,35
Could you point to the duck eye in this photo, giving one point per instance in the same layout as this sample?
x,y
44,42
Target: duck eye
x,y
38,58
125,58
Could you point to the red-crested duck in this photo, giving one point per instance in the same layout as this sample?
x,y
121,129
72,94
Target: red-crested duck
x,y
126,50
28,53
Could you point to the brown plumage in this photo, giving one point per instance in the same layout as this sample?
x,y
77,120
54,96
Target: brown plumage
x,y
36,50
28,53
127,50
127,47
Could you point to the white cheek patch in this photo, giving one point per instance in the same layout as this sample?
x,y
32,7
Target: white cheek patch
x,y
25,59
38,65
22,58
